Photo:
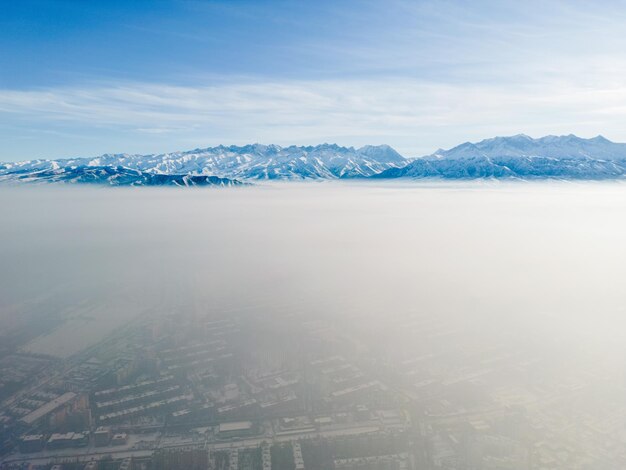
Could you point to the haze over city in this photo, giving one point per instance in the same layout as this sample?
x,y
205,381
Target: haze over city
x,y
348,235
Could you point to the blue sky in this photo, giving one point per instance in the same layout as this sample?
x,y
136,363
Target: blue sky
x,y
85,78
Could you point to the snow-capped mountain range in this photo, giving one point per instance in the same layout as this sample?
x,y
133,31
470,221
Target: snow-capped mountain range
x,y
519,156
551,146
250,162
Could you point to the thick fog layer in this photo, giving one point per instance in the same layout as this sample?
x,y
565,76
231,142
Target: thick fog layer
x,y
492,314
547,257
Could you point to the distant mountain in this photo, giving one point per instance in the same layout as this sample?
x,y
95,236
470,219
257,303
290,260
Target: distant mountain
x,y
108,175
520,156
250,162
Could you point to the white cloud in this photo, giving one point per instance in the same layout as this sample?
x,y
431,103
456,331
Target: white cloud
x,y
415,116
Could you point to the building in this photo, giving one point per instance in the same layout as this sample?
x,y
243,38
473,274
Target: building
x,y
233,459
48,408
235,429
181,459
127,464
266,456
31,443
297,456
102,436
362,413
80,439
119,439
61,441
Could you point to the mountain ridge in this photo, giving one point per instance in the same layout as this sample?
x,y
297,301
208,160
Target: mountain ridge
x,y
518,156
249,162
520,145
112,176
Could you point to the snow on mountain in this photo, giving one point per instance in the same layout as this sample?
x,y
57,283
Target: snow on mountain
x,y
250,162
568,146
520,156
109,175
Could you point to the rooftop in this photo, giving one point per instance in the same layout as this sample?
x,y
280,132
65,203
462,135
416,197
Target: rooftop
x,y
235,426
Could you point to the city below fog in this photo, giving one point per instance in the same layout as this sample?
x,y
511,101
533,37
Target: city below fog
x,y
420,325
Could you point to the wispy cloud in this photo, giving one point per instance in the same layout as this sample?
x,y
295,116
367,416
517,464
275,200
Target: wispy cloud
x,y
415,116
416,75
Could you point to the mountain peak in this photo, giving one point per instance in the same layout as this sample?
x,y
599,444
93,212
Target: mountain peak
x,y
247,162
521,145
520,156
